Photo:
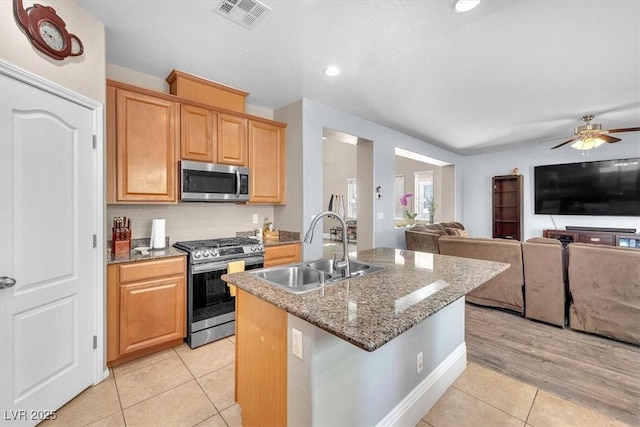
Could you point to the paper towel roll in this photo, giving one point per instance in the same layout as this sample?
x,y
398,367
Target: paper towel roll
x,y
157,234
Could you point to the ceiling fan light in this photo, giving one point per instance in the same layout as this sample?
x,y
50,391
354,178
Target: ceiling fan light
x,y
332,71
461,6
588,143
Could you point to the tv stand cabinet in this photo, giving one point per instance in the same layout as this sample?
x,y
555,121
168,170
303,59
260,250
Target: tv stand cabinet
x,y
595,237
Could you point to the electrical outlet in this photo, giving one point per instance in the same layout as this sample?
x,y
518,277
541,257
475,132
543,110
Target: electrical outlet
x,y
296,343
419,364
255,218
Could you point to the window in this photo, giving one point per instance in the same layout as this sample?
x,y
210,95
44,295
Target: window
x,y
352,198
399,192
423,193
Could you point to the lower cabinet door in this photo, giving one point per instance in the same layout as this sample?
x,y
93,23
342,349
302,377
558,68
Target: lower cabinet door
x,y
151,312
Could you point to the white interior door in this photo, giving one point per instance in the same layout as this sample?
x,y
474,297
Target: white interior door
x,y
47,223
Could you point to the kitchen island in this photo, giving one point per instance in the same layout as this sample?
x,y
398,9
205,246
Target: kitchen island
x,y
373,350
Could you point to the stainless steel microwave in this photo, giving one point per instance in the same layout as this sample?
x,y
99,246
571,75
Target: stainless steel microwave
x,y
210,182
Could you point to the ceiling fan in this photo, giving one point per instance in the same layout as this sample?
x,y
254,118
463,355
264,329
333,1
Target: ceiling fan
x,y
589,136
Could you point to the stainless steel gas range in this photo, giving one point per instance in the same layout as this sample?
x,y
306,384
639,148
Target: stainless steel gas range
x,y
210,305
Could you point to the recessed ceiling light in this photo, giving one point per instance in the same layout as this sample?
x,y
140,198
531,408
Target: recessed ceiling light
x,y
461,6
332,71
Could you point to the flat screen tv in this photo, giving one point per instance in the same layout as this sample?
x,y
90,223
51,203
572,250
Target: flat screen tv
x,y
607,187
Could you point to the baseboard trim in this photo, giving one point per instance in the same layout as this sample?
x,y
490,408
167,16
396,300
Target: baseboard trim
x,y
422,398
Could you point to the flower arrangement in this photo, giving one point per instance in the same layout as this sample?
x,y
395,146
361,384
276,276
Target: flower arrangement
x,y
431,203
404,201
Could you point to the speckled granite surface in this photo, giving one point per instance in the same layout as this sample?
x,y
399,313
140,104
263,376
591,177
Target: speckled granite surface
x,y
134,255
372,310
286,237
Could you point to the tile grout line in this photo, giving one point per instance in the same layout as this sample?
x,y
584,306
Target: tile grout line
x,y
531,408
115,383
205,393
162,392
487,403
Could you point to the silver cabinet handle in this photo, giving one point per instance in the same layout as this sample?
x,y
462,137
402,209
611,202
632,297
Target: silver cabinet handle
x,y
7,282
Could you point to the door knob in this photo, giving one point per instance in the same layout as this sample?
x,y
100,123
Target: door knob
x,y
6,282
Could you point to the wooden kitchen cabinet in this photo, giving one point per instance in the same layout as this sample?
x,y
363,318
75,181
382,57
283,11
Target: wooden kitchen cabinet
x,y
146,307
281,254
142,146
267,162
148,131
232,140
198,134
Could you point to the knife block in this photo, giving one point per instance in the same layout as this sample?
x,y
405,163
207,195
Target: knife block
x,y
119,247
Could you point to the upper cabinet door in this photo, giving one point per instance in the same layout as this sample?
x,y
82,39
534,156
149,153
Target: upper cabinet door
x,y
146,141
198,134
267,163
232,140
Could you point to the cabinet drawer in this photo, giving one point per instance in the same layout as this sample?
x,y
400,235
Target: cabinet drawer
x,y
597,239
281,254
149,269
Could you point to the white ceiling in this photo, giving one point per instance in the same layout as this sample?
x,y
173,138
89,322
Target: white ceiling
x,y
506,74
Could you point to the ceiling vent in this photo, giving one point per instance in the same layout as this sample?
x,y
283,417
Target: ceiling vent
x,y
247,13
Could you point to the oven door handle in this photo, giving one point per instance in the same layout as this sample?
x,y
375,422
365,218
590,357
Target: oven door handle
x,y
222,265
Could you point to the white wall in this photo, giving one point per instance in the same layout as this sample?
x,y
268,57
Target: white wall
x,y
83,74
478,171
314,118
338,383
291,215
339,165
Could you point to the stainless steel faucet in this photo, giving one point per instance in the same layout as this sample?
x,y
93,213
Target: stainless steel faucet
x,y
338,265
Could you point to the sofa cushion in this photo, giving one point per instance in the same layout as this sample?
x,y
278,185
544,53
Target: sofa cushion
x,y
545,240
604,282
504,290
544,278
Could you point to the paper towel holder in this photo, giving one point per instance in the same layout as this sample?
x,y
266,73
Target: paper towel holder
x,y
158,235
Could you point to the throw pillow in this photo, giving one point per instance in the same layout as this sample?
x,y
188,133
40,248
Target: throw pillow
x,y
452,231
456,232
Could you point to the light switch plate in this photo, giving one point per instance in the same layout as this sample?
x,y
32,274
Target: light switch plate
x,y
380,215
296,343
255,218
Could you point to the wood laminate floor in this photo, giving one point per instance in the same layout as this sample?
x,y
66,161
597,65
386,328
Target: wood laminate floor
x,y
593,371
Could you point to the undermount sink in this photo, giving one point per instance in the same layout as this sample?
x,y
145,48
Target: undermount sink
x,y
307,276
357,268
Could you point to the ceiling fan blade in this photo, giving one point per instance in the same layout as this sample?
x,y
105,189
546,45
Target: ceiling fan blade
x,y
609,139
564,143
552,139
624,130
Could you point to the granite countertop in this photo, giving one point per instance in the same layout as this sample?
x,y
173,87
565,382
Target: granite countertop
x,y
133,255
286,237
372,310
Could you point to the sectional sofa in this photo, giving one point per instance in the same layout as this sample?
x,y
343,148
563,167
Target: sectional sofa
x,y
591,288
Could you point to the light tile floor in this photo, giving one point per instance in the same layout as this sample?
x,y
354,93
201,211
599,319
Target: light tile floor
x,y
184,387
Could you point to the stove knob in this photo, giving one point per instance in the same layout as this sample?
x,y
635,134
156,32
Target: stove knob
x,y
260,248
253,248
205,253
197,254
214,252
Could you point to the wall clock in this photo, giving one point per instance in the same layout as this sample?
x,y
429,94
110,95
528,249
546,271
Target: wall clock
x,y
47,31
